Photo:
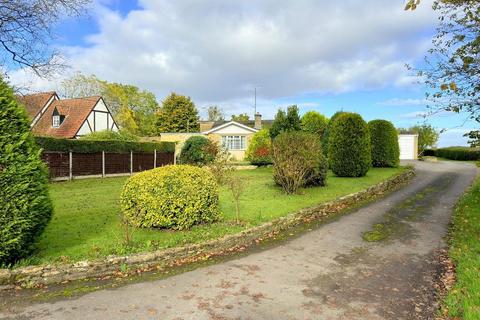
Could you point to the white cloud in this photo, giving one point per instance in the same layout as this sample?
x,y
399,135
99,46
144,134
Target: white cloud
x,y
216,51
403,102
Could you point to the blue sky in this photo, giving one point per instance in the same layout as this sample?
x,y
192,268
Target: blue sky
x,y
320,55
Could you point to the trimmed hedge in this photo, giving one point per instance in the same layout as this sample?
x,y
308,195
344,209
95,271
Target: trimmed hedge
x,y
92,146
175,197
384,142
326,133
349,148
25,207
458,153
198,151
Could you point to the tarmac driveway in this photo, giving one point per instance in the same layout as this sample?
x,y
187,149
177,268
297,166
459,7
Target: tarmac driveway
x,y
328,273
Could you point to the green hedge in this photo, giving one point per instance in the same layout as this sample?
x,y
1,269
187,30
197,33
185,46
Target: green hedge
x,y
92,146
458,153
349,148
175,197
25,207
384,142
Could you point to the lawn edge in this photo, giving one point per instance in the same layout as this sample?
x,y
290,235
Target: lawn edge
x,y
36,276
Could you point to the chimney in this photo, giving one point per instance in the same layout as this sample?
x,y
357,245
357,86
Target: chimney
x,y
258,121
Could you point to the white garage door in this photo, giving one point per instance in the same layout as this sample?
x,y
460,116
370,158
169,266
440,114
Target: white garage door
x,y
407,146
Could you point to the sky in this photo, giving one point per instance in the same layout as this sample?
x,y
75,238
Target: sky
x,y
318,54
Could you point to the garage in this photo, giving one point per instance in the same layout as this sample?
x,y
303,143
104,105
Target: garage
x,y
408,146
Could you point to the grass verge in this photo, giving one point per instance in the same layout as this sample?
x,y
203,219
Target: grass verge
x,y
86,223
463,300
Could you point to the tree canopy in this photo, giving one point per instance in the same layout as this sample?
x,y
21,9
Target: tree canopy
x,y
286,121
314,122
215,113
178,114
241,117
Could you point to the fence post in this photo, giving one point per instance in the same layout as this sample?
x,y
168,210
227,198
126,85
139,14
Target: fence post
x,y
70,166
103,164
175,154
131,162
154,158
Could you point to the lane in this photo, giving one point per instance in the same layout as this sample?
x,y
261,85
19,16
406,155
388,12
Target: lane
x,y
328,273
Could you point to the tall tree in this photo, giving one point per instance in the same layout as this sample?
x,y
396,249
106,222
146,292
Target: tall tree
x,y
314,122
26,30
286,121
453,62
215,114
133,108
242,117
178,114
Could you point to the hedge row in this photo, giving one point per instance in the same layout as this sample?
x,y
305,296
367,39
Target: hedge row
x,y
456,153
91,146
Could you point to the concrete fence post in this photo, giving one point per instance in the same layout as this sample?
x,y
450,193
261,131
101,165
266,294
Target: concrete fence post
x,y
154,158
103,164
131,162
70,166
175,154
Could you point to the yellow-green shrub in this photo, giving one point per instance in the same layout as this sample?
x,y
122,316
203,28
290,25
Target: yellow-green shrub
x,y
174,197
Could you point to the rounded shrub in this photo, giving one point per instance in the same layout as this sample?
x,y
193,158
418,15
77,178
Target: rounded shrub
x,y
298,161
384,143
326,132
349,146
314,122
259,151
25,207
198,151
175,197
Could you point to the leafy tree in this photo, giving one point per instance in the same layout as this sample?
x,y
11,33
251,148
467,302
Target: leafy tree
x,y
474,138
27,28
198,151
242,117
215,114
453,62
314,122
427,136
286,122
133,108
178,114
25,208
259,150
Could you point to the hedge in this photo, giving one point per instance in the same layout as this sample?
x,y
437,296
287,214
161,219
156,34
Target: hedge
x,y
349,147
259,150
92,146
458,153
25,207
384,142
175,197
198,151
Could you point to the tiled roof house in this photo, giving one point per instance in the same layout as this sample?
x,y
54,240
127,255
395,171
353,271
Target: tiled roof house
x,y
67,118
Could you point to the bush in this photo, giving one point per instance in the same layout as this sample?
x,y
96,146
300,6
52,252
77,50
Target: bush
x,y
108,135
298,161
314,122
384,143
349,146
259,151
458,153
176,197
198,151
92,146
285,122
25,208
326,133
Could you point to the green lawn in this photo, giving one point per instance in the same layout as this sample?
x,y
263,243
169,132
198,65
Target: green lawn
x,y
85,224
463,301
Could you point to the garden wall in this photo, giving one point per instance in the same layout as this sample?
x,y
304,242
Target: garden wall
x,y
163,259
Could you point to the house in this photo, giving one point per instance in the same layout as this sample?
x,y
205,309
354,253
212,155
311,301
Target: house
x,y
235,136
67,118
408,144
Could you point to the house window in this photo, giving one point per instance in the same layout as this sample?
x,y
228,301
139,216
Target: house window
x,y
56,121
234,142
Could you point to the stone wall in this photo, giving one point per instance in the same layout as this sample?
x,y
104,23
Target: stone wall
x,y
49,274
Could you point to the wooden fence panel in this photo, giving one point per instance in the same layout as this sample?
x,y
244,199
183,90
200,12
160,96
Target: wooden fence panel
x,y
57,163
117,163
85,164
142,161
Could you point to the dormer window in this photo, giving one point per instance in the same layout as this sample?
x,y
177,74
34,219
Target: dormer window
x,y
56,121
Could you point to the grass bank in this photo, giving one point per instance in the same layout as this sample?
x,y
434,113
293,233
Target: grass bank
x,y
86,223
463,300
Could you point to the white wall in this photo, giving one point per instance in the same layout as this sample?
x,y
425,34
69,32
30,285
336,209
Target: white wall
x,y
408,146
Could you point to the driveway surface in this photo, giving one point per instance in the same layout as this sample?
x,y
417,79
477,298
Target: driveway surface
x,y
328,273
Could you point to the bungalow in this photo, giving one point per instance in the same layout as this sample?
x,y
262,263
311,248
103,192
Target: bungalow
x,y
67,118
